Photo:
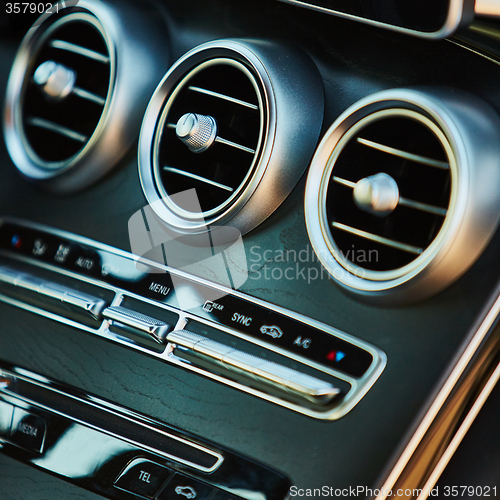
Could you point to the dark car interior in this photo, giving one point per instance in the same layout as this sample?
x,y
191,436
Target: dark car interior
x,y
249,249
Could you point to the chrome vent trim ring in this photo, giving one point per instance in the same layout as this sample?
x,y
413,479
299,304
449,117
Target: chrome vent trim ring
x,y
91,44
271,162
468,131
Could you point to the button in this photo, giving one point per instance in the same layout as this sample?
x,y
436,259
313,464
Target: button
x,y
143,478
6,411
146,325
28,431
182,487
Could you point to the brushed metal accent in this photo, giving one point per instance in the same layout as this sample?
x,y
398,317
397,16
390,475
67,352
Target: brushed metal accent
x,y
141,43
469,131
87,303
152,327
359,386
280,159
273,374
197,132
460,13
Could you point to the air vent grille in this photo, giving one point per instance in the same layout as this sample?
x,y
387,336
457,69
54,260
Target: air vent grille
x,y
402,194
226,91
410,149
59,124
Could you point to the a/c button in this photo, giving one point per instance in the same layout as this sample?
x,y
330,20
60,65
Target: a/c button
x,y
143,478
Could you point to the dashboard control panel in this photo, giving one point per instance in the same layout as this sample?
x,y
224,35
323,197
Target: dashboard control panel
x,y
251,345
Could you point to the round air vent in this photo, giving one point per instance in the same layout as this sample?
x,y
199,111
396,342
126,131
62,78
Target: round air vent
x,y
77,74
236,126
402,194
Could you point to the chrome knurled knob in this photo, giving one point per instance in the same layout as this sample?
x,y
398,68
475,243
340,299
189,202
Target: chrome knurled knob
x,y
197,132
56,80
377,194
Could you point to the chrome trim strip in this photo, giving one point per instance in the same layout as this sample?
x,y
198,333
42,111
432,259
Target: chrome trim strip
x,y
234,145
24,281
89,96
198,178
77,49
404,154
225,97
460,434
458,12
115,410
58,129
465,363
359,386
272,374
378,239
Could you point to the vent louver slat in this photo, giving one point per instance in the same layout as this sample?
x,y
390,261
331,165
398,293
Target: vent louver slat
x,y
402,207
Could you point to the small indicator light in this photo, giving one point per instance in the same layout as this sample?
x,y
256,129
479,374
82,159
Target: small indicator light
x,y
335,356
16,241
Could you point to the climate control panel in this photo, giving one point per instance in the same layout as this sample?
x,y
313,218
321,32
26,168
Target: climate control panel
x,y
220,333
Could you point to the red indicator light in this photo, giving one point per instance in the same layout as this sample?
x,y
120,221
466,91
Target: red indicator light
x,y
335,356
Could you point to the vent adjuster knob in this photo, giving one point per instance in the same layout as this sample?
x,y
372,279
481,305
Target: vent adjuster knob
x,y
55,79
377,194
197,132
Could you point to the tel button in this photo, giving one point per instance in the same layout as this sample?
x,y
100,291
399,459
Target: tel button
x,y
185,488
28,431
142,477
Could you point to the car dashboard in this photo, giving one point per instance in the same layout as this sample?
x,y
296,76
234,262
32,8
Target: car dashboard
x,y
248,251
